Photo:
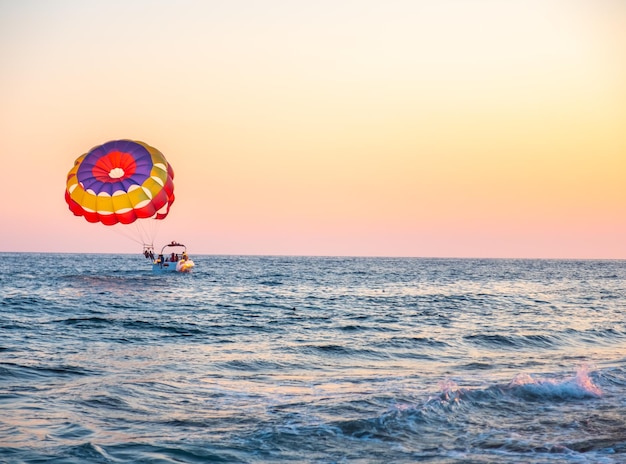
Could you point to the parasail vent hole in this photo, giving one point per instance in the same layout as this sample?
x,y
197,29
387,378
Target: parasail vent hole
x,y
116,173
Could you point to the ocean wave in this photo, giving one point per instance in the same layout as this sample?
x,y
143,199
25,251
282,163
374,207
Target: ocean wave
x,y
86,322
254,365
26,372
108,402
115,326
342,352
513,341
529,387
414,342
21,301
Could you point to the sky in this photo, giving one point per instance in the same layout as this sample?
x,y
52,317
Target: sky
x,y
449,128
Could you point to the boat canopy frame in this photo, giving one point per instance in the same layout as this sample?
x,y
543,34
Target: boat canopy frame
x,y
173,244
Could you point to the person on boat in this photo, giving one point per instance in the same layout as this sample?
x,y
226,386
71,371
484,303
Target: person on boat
x,y
185,257
173,258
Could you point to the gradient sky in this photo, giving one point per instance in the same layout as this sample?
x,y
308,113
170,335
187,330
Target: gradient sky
x,y
448,128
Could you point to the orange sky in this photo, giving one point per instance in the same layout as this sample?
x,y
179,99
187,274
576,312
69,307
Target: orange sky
x,y
398,128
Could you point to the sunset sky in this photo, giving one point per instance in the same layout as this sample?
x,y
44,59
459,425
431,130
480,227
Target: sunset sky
x,y
448,128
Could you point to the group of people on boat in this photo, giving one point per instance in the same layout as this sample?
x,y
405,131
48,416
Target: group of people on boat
x,y
173,258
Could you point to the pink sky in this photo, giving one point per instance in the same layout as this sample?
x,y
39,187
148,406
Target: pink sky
x,y
379,128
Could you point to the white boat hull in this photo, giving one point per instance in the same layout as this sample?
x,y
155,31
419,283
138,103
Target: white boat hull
x,y
163,267
167,266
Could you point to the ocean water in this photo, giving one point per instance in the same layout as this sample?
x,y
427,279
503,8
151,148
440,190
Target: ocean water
x,y
321,360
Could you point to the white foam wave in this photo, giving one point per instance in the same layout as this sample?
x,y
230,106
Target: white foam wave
x,y
579,386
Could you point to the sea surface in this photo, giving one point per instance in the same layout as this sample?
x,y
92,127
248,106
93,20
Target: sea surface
x,y
313,360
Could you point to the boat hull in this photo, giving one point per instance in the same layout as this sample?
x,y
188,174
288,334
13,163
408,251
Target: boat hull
x,y
163,267
167,266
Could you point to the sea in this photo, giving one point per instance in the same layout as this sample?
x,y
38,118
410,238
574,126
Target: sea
x,y
259,359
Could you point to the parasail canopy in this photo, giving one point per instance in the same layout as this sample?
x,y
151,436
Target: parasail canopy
x,y
119,182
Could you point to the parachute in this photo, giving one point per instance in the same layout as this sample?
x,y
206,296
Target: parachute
x,y
120,182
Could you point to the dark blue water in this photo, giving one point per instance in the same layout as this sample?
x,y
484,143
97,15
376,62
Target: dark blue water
x,y
271,359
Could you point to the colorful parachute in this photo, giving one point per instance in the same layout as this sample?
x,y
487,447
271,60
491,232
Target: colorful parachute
x,y
119,182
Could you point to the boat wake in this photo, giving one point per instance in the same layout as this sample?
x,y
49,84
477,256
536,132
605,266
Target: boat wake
x,y
184,265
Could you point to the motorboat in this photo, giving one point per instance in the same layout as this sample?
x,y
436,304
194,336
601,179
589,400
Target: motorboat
x,y
172,258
